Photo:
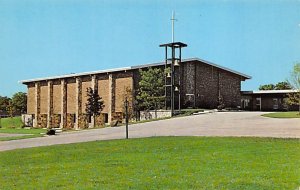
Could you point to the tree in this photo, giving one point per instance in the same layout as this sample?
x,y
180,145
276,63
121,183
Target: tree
x,y
19,101
267,87
4,102
151,89
10,109
279,86
294,82
94,104
283,86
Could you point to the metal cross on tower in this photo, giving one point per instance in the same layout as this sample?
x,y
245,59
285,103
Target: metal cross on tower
x,y
173,19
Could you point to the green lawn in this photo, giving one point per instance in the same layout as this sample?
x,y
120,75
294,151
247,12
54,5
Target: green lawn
x,y
14,122
156,163
13,125
293,114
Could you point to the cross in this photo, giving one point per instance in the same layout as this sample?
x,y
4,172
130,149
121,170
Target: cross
x,y
173,19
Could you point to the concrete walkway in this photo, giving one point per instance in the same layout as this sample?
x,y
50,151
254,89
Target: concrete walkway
x,y
12,135
213,124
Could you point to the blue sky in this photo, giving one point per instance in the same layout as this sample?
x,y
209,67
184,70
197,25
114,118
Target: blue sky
x,y
40,38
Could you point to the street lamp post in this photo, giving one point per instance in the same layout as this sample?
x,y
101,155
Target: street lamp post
x,y
126,116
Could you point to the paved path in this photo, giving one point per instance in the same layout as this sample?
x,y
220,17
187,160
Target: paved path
x,y
11,135
213,124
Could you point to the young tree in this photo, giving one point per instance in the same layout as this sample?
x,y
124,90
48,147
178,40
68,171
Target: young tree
x,y
294,82
19,101
151,89
94,104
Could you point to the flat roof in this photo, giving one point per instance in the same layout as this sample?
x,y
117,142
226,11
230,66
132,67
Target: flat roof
x,y
174,44
132,68
269,91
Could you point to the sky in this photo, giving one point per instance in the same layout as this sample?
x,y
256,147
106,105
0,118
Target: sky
x,y
42,38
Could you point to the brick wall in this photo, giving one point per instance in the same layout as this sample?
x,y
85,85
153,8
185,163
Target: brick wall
x,y
230,89
121,85
44,98
103,92
71,96
206,82
86,83
207,85
57,97
31,99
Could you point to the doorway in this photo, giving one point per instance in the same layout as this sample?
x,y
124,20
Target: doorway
x,y
258,104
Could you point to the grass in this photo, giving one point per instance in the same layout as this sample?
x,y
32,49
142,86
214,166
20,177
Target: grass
x,y
186,112
13,125
14,122
293,114
156,163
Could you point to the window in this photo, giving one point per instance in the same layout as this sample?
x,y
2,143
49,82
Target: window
x,y
245,102
275,103
89,118
258,101
105,118
258,104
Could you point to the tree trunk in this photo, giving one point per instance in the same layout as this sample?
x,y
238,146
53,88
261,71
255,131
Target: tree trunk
x,y
94,121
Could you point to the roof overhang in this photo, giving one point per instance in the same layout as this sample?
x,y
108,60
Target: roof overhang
x,y
269,92
174,44
243,76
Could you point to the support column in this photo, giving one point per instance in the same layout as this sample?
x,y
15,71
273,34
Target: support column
x,y
94,83
50,104
78,103
63,112
37,104
111,97
94,86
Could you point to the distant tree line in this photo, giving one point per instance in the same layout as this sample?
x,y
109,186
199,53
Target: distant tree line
x,y
17,104
279,86
292,83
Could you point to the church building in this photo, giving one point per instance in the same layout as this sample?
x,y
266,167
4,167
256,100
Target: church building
x,y
60,101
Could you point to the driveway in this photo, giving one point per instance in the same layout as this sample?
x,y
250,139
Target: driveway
x,y
237,124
